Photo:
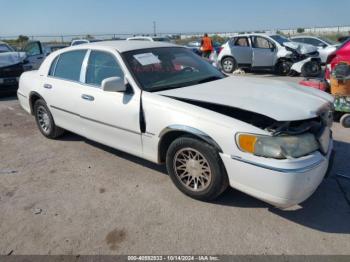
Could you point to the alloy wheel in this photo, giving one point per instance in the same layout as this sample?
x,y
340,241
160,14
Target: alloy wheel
x,y
43,119
192,169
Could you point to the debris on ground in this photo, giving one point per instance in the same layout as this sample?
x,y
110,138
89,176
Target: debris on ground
x,y
37,211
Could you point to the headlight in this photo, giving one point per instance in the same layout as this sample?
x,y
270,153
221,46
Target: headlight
x,y
279,147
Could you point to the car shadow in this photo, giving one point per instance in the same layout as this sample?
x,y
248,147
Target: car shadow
x,y
8,97
327,210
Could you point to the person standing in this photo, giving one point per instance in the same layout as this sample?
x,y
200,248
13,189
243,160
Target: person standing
x,y
206,46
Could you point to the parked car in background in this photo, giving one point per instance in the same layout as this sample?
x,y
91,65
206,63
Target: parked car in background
x,y
343,39
196,47
342,54
84,41
37,51
273,52
11,67
49,48
324,46
149,38
163,103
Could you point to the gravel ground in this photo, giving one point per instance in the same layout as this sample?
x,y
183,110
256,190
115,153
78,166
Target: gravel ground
x,y
74,196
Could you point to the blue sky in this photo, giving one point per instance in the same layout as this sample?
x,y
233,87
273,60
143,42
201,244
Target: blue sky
x,y
48,17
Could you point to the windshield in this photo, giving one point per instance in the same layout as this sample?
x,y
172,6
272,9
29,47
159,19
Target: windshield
x,y
5,48
280,39
158,69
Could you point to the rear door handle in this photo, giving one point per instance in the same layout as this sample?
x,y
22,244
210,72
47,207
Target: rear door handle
x,y
87,97
47,86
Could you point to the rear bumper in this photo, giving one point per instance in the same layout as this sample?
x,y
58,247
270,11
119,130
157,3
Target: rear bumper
x,y
281,187
8,84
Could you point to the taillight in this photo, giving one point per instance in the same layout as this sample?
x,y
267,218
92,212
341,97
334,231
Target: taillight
x,y
331,57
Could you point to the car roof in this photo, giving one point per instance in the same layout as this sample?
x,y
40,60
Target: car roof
x,y
303,36
254,34
124,46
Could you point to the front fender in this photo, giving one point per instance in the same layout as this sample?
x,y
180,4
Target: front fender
x,y
189,130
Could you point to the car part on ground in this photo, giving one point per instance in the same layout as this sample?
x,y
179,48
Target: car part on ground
x,y
272,52
173,107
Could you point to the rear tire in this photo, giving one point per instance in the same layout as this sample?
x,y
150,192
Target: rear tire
x,y
345,120
311,69
228,65
45,122
196,169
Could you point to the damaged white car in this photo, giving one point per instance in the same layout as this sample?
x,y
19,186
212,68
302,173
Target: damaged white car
x,y
161,102
273,52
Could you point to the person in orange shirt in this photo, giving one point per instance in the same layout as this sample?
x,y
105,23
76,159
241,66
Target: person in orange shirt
x,y
206,46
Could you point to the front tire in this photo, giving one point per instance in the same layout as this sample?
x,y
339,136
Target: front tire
x,y
45,122
196,169
311,69
228,65
283,68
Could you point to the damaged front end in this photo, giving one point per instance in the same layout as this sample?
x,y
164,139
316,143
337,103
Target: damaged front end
x,y
287,139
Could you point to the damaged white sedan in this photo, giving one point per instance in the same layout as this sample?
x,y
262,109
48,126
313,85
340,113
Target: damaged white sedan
x,y
269,139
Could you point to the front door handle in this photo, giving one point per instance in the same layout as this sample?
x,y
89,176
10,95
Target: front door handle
x,y
47,86
87,97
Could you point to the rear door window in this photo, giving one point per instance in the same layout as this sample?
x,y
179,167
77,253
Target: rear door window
x,y
68,65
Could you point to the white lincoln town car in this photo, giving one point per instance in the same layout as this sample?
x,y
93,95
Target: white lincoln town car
x,y
161,102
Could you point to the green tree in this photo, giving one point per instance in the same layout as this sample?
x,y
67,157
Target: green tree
x,y
300,30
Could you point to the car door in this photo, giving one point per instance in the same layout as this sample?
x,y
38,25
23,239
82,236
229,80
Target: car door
x,y
241,50
111,118
264,52
62,89
35,54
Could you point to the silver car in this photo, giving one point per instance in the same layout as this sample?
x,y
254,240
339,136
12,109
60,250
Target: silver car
x,y
275,52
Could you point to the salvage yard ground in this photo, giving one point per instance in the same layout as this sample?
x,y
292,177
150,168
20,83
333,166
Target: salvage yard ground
x,y
74,196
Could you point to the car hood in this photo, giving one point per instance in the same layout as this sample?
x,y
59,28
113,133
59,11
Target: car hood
x,y
11,58
300,47
278,100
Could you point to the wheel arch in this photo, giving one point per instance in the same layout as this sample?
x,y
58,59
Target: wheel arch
x,y
170,133
33,97
228,56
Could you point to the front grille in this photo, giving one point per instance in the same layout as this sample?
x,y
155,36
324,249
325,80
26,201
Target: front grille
x,y
11,71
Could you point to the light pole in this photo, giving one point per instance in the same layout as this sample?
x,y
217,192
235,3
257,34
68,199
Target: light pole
x,y
154,28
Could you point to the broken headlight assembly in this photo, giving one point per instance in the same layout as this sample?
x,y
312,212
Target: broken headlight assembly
x,y
278,147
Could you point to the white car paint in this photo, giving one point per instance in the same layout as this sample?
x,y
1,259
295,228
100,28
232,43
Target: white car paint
x,y
148,38
280,182
324,48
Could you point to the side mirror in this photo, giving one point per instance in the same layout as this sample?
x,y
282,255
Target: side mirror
x,y
114,84
322,45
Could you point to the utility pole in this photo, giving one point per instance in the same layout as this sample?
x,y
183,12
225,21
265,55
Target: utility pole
x,y
154,28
